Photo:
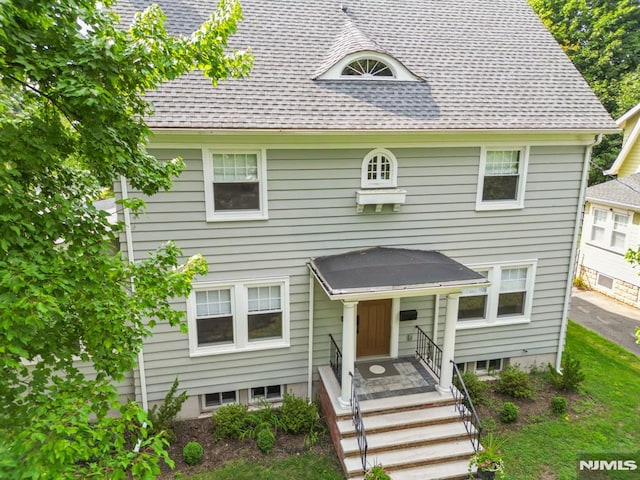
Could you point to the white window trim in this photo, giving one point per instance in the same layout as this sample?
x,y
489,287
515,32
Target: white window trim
x,y
518,203
400,72
493,291
609,228
203,402
235,215
600,275
253,399
379,184
239,310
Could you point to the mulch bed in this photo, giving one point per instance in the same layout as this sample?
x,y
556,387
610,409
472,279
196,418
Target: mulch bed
x,y
530,411
217,454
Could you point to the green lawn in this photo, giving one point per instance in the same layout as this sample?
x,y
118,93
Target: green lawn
x,y
606,419
307,467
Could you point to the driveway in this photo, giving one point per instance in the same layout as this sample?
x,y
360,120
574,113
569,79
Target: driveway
x,y
611,319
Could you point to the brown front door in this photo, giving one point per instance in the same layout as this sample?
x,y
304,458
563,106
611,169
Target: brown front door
x,y
374,328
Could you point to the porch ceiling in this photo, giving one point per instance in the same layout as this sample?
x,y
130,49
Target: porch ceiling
x,y
391,271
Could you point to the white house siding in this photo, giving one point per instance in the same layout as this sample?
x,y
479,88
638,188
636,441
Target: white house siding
x,y
594,260
312,212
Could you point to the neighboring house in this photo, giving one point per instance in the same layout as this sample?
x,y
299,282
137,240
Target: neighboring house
x,y
628,160
611,222
611,227
391,171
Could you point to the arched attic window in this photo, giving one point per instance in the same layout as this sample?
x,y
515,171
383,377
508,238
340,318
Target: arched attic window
x,y
379,169
367,67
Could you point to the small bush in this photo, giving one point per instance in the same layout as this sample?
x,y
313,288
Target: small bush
x,y
192,453
580,283
514,382
162,416
475,387
559,405
509,412
265,440
231,421
377,473
265,415
570,378
297,415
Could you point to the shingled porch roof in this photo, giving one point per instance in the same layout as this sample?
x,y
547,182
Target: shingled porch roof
x,y
391,271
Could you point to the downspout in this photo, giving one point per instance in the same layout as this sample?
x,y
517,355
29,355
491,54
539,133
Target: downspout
x,y
574,248
310,370
129,239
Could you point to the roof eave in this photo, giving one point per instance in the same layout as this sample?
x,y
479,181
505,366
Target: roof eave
x,y
346,131
611,203
391,291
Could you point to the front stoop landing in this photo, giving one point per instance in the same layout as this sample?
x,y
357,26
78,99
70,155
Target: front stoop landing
x,y
414,437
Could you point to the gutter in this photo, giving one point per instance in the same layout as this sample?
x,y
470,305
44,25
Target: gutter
x,y
574,248
131,259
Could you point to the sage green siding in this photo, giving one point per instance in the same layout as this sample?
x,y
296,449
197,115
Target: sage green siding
x,y
312,212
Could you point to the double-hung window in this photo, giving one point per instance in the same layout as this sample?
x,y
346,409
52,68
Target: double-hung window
x,y
502,178
473,302
242,315
609,229
507,300
235,185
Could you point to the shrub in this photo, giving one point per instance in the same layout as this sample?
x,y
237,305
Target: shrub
x,y
514,382
377,473
231,421
265,440
162,416
580,283
509,412
297,415
559,405
570,378
265,415
475,387
192,453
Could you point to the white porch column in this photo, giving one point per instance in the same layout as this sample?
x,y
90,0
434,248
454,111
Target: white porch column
x,y
349,311
449,342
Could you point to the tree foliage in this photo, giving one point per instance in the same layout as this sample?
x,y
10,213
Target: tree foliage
x,y
72,120
602,38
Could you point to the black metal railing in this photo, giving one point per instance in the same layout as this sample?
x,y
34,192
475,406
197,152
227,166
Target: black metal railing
x,y
358,423
465,408
336,359
429,352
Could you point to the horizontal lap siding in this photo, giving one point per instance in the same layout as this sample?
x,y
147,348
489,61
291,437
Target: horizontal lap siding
x,y
312,212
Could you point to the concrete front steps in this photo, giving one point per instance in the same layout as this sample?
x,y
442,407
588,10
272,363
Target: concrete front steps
x,y
414,437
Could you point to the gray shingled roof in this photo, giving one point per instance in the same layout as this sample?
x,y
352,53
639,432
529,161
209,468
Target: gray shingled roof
x,y
624,191
486,65
387,269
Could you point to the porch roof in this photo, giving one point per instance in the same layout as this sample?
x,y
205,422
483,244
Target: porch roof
x,y
387,271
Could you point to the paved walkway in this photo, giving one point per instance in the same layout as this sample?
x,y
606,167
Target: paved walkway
x,y
611,319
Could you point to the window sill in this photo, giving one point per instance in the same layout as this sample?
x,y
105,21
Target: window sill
x,y
237,216
225,349
492,206
471,324
380,197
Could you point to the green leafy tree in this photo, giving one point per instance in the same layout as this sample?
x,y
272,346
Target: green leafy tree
x,y
633,257
72,120
602,38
